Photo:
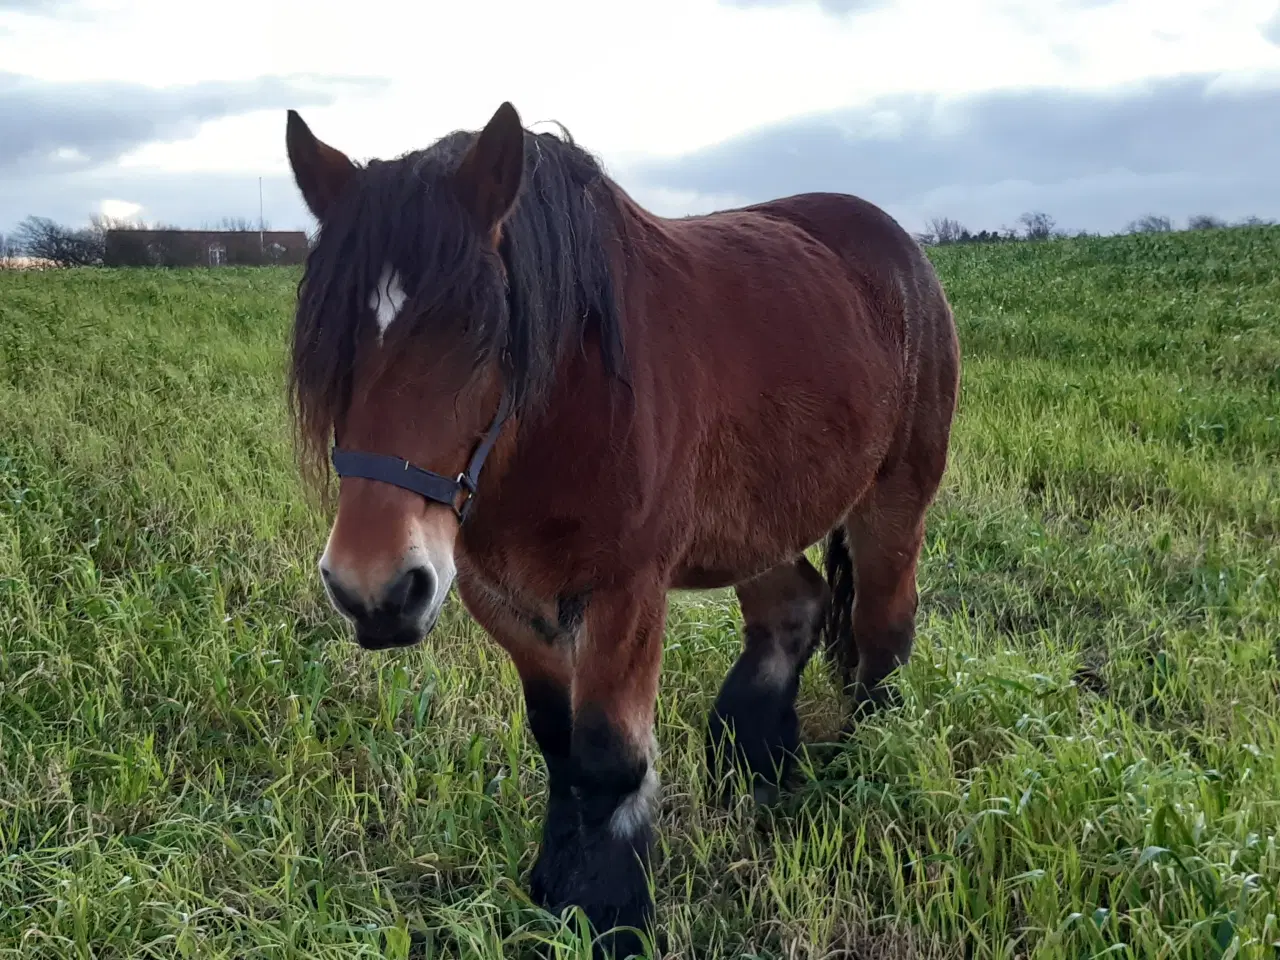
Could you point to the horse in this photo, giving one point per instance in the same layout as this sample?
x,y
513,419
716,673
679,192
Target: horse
x,y
527,386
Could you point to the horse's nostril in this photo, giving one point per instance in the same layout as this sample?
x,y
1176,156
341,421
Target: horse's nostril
x,y
346,601
395,616
413,592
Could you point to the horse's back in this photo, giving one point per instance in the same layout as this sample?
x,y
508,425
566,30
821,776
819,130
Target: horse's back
x,y
785,344
850,226
883,260
898,279
834,275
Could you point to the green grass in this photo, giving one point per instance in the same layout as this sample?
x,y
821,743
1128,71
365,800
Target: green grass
x,y
196,762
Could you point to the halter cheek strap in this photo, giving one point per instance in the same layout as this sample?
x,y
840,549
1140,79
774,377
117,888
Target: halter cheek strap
x,y
432,486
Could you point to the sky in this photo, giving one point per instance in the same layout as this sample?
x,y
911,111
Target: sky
x,y
1094,111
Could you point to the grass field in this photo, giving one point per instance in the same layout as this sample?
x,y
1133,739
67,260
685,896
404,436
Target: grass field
x,y
195,761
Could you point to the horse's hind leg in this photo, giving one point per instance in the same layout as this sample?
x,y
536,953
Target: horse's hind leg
x,y
878,549
753,725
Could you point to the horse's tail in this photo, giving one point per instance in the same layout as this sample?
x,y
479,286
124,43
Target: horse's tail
x,y
837,632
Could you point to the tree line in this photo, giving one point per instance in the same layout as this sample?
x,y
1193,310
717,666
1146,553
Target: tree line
x,y
1041,226
41,238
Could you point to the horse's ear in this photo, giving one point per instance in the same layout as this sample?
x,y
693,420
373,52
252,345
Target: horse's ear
x,y
320,171
490,174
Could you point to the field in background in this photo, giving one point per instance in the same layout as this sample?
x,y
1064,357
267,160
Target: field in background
x,y
196,762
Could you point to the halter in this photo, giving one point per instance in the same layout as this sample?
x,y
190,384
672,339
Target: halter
x,y
432,486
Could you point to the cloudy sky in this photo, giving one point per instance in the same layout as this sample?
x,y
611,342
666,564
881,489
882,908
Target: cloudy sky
x,y
1095,111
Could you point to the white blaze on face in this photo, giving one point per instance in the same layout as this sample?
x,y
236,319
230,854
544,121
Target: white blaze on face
x,y
388,299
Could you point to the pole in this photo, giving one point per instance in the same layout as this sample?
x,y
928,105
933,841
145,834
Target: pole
x,y
261,243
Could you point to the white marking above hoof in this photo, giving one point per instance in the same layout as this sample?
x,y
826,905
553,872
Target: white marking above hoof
x,y
636,809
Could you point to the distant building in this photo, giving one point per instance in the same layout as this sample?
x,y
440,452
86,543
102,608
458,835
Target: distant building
x,y
25,263
203,248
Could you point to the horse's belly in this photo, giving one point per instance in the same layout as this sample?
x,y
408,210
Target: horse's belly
x,y
757,538
714,559
760,503
710,578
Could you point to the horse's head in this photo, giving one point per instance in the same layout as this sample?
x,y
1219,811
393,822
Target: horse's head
x,y
401,343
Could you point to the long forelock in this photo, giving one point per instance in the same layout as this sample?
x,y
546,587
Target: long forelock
x,y
555,276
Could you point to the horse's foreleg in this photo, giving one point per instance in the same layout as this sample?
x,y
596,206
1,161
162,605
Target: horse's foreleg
x,y
548,708
542,658
612,755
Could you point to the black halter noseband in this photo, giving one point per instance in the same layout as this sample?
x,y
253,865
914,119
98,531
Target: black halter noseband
x,y
433,486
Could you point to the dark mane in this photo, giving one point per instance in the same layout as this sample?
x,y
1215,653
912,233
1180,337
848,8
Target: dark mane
x,y
555,252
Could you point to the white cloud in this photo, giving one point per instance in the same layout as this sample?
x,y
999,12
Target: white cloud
x,y
632,82
1095,159
668,202
659,77
120,209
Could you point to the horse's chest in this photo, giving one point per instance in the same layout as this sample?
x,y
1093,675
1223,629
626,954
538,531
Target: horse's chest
x,y
549,612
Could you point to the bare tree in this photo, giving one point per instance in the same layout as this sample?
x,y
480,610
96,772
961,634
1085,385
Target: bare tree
x,y
943,230
101,223
1205,221
236,225
1151,223
1038,226
1254,222
8,250
46,239
946,230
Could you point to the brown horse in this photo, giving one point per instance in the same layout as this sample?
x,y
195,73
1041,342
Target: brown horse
x,y
567,406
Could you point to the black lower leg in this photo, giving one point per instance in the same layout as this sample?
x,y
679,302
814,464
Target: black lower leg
x,y
551,722
615,785
753,727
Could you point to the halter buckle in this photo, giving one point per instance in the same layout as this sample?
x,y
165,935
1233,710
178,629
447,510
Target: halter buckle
x,y
468,489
